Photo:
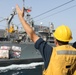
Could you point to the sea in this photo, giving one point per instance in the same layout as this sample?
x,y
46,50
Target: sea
x,y
34,68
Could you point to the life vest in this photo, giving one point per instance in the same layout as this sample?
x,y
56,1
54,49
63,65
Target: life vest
x,y
62,61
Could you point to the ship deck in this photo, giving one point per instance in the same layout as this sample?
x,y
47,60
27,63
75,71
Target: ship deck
x,y
28,54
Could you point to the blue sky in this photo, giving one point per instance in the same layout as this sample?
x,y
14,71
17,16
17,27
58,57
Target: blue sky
x,y
67,17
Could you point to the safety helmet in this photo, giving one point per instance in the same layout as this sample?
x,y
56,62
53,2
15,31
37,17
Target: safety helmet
x,y
63,33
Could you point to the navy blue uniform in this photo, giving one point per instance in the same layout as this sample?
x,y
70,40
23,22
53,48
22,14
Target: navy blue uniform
x,y
45,50
74,44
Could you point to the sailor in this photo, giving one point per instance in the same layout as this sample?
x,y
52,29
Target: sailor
x,y
59,60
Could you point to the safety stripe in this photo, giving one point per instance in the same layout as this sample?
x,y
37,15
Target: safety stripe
x,y
66,52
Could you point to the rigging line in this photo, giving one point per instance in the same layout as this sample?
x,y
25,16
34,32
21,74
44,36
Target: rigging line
x,y
3,20
56,13
23,3
53,9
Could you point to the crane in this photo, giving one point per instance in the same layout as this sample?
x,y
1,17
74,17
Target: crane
x,y
10,29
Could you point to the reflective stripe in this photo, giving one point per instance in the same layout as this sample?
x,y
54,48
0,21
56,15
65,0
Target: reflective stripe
x,y
66,52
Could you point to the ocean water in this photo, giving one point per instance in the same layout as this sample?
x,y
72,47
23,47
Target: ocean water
x,y
34,68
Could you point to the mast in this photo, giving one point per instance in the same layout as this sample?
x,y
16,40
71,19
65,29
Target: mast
x,y
23,3
27,16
